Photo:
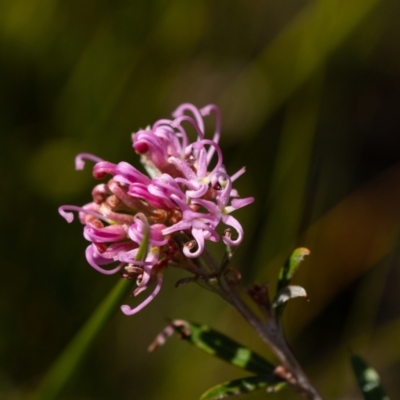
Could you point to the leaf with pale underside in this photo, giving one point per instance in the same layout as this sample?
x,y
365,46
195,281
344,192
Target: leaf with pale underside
x,y
217,345
368,380
242,386
287,293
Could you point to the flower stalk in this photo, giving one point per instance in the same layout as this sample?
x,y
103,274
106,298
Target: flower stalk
x,y
138,225
271,332
268,328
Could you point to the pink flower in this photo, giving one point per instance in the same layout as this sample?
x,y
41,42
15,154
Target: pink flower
x,y
179,193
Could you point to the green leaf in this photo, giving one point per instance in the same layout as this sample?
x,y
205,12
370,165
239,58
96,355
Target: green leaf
x,y
70,359
368,380
291,266
241,386
217,345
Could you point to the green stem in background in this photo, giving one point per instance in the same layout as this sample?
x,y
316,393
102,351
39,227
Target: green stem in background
x,y
70,359
297,52
285,206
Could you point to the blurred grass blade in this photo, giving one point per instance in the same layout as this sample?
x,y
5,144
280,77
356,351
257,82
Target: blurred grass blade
x,y
290,267
70,359
241,386
297,52
216,344
368,380
67,363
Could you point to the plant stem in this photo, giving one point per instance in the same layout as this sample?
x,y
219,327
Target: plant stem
x,y
272,334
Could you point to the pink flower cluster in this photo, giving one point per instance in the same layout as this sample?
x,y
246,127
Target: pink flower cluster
x,y
187,190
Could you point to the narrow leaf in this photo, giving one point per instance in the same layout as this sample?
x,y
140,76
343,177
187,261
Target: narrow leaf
x,y
291,266
241,386
216,344
368,380
70,359
287,293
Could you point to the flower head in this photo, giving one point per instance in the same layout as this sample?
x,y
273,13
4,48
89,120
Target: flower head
x,y
179,194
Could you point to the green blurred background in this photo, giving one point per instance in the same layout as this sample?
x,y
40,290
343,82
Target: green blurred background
x,y
310,99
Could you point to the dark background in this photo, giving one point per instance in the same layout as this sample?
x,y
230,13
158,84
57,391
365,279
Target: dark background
x,y
310,98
